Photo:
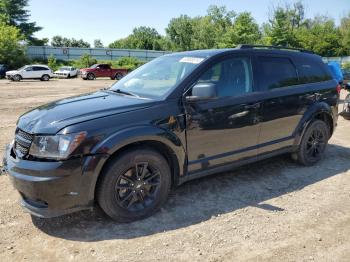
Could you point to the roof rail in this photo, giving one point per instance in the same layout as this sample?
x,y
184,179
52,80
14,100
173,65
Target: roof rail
x,y
273,47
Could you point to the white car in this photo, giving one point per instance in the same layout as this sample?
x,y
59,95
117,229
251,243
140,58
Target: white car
x,y
42,72
66,72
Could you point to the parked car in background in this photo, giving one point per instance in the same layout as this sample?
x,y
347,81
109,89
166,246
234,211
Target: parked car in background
x,y
124,147
42,72
3,69
66,72
102,70
336,72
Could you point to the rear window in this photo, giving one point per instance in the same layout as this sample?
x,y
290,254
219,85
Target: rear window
x,y
312,72
277,72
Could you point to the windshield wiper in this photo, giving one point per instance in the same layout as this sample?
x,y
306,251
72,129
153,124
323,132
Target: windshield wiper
x,y
119,91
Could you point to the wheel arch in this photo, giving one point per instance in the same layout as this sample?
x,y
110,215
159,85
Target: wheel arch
x,y
162,143
321,111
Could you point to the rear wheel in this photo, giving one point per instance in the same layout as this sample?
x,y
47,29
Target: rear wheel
x,y
45,78
134,185
313,143
118,76
16,78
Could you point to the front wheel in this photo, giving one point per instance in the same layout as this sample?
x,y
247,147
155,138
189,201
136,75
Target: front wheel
x,y
134,185
313,143
16,78
90,76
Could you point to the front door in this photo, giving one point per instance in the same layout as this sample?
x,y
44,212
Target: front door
x,y
223,128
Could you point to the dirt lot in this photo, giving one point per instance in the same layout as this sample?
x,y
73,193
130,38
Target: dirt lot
x,y
270,211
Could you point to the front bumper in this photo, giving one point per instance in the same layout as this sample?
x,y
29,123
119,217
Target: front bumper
x,y
50,189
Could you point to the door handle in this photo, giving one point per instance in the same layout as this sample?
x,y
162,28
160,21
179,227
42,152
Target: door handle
x,y
253,106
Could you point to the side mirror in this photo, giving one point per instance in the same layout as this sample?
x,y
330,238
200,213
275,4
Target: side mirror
x,y
202,91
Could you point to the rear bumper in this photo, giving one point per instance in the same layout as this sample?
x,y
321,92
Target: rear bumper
x,y
50,189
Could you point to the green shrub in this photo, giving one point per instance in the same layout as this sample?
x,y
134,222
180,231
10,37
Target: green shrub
x,y
84,61
130,63
346,65
52,63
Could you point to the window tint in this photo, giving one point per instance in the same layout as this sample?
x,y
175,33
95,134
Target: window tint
x,y
104,67
232,77
39,68
277,72
28,69
311,72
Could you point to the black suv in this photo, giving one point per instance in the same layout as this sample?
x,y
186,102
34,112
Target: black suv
x,y
203,112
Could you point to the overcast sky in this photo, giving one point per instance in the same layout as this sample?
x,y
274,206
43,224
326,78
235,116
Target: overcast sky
x,y
109,20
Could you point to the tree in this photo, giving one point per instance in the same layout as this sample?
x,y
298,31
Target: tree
x,y
244,31
321,36
180,31
11,51
13,12
98,43
345,35
59,41
142,38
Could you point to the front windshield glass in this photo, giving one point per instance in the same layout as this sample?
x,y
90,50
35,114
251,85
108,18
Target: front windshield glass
x,y
22,68
94,66
158,77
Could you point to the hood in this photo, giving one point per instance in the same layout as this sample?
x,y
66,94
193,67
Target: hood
x,y
12,72
51,118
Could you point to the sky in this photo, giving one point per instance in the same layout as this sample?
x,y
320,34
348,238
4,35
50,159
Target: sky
x,y
110,20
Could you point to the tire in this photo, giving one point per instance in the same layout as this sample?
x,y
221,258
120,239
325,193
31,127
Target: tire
x,y
68,76
17,78
313,143
45,78
118,76
125,198
90,76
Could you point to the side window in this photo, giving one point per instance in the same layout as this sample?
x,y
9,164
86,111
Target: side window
x,y
277,72
40,68
29,69
231,77
311,72
104,67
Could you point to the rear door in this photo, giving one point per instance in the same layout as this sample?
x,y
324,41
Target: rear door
x,y
284,102
104,71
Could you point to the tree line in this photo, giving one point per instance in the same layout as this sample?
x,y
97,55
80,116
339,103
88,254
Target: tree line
x,y
287,25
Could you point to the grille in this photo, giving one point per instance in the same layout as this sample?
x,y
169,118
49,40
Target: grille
x,y
23,142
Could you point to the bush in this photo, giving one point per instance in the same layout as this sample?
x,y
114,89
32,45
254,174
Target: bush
x,y
52,63
85,61
346,65
130,63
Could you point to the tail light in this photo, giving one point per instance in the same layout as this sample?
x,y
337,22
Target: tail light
x,y
338,88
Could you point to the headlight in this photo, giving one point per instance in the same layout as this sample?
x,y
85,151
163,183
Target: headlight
x,y
57,147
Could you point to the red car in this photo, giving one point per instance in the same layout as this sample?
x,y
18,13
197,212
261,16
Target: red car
x,y
102,70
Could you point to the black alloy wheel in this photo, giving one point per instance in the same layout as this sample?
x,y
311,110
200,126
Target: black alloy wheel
x,y
313,143
134,185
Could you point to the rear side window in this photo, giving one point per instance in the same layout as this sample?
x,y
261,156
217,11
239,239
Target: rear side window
x,y
277,72
312,72
39,68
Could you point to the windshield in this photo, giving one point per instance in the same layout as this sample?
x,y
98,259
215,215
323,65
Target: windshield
x,y
64,69
158,77
22,68
94,66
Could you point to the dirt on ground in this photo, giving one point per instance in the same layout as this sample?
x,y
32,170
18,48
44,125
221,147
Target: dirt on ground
x,y
275,210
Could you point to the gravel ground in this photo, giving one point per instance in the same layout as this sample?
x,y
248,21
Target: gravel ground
x,y
274,210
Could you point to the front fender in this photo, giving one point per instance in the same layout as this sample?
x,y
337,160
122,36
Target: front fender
x,y
100,154
309,116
